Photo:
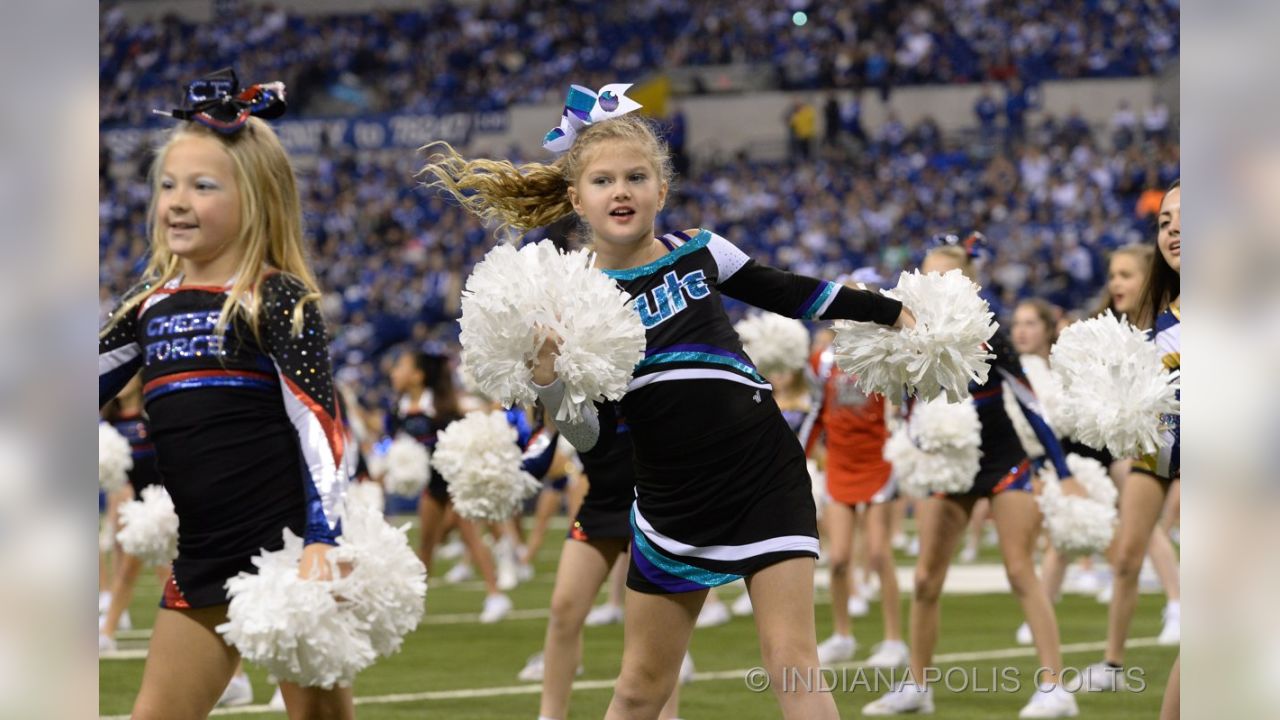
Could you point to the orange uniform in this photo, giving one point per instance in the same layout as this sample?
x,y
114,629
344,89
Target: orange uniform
x,y
854,425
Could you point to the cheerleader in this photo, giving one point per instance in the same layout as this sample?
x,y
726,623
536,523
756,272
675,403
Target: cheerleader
x,y
722,491
227,334
1004,476
1144,492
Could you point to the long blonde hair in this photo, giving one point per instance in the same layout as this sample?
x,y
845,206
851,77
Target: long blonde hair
x,y
522,197
270,224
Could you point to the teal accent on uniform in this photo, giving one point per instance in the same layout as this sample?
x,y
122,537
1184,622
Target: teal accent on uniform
x,y
812,312
675,357
675,567
697,243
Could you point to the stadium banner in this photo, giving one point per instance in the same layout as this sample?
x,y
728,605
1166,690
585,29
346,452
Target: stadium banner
x,y
305,137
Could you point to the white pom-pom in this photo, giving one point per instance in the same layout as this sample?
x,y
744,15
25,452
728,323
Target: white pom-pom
x,y
479,458
1115,390
774,343
941,354
295,628
407,465
1078,525
366,494
513,300
387,584
938,450
149,527
115,458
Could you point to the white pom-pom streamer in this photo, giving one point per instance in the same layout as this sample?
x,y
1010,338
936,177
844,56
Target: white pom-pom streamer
x,y
297,629
774,343
408,467
366,494
1079,525
938,450
515,299
115,458
149,527
940,355
1115,389
479,458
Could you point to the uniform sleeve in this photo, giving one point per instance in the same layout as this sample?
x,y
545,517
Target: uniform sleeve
x,y
795,296
119,354
592,433
539,451
306,382
1010,369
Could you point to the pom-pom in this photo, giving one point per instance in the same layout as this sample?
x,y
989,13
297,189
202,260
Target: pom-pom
x,y
937,451
514,300
387,583
408,467
149,527
1116,393
941,354
295,628
115,458
366,494
1079,525
479,458
774,343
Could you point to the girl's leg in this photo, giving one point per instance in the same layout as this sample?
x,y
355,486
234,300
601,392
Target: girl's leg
x,y
583,568
782,595
188,666
1165,560
940,522
840,520
480,555
430,526
308,703
1018,524
121,593
1141,500
880,559
1171,708
656,636
1053,571
548,503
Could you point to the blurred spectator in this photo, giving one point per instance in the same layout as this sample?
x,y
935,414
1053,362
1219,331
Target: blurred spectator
x,y
802,128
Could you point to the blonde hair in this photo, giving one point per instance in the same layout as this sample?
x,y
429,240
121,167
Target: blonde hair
x,y
1140,253
270,225
522,197
957,253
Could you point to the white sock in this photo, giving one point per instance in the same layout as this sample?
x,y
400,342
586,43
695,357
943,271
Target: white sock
x,y
1174,606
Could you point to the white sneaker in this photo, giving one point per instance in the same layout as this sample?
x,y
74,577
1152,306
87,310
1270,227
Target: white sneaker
x,y
277,700
968,554
1023,635
533,669
524,572
106,644
889,654
1050,702
104,601
508,578
837,648
1104,595
686,669
238,692
451,550
1099,677
712,614
899,541
742,606
461,572
906,698
606,614
913,549
1171,633
858,606
125,622
990,538
1088,583
496,607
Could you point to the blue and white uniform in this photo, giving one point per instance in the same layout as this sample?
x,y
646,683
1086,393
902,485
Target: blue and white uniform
x,y
1166,463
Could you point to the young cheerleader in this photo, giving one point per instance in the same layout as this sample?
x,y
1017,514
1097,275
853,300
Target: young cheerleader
x,y
427,404
228,336
722,491
1004,476
1143,495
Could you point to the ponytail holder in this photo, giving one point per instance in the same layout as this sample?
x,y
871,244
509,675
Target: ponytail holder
x,y
217,102
585,107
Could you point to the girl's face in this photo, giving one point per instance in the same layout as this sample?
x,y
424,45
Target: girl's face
x,y
619,193
1124,281
1169,237
198,202
1029,335
405,374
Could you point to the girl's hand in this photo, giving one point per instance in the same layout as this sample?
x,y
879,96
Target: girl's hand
x,y
905,319
315,565
1072,487
544,365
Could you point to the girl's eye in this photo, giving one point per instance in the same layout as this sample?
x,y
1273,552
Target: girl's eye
x,y
638,177
600,180
166,184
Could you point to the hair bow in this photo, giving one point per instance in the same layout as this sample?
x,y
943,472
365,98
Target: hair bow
x,y
217,102
974,244
585,107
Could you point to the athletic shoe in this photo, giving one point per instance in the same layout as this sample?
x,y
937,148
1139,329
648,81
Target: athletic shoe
x,y
1023,635
606,614
1050,702
125,622
1171,633
742,606
968,554
524,572
1104,595
104,601
1100,677
277,700
461,572
837,648
686,669
238,692
889,654
899,541
534,667
712,614
106,644
906,698
913,549
496,607
857,606
451,550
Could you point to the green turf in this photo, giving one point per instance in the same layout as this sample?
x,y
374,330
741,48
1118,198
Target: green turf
x,y
467,656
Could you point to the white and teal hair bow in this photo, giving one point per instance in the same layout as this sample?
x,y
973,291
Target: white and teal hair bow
x,y
585,107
